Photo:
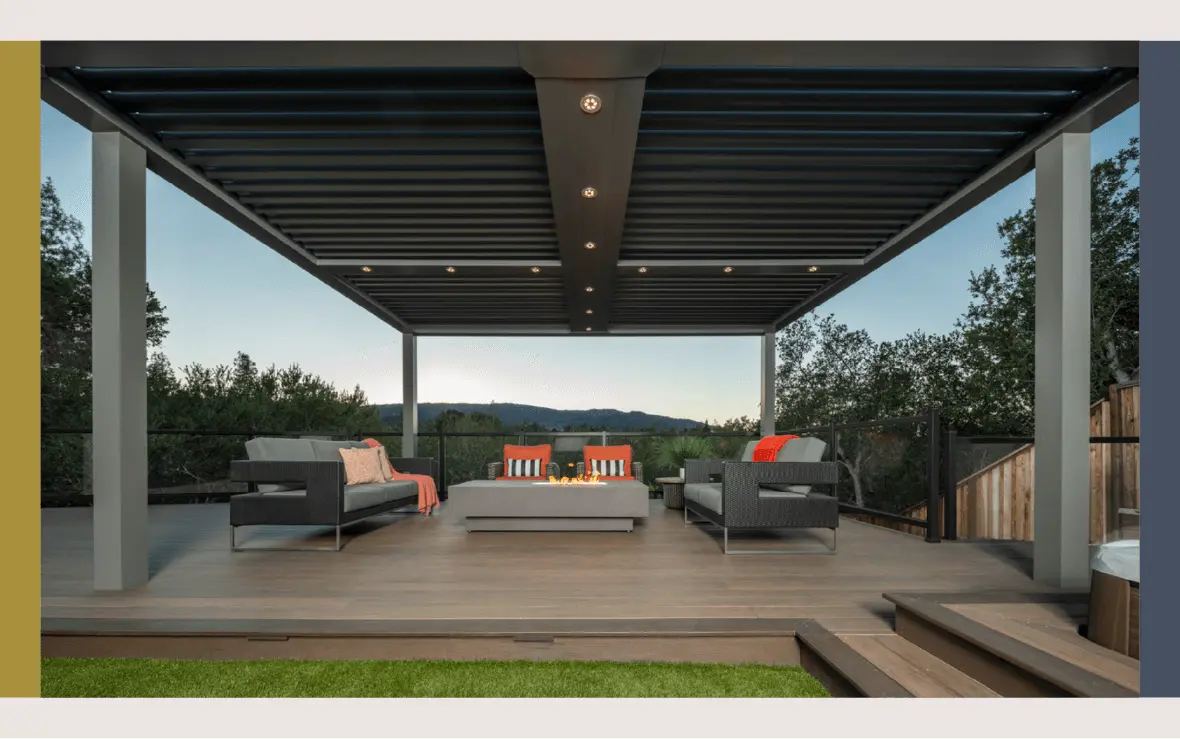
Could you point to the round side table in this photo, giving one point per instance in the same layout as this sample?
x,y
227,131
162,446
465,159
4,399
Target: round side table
x,y
673,491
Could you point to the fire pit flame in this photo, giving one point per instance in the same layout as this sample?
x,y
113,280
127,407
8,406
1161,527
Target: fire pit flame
x,y
591,479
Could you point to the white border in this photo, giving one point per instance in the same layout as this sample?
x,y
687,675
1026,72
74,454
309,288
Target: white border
x,y
520,20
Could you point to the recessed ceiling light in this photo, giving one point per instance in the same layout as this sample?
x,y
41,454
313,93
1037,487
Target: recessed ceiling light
x,y
536,270
589,193
591,104
729,269
589,329
589,289
589,311
590,245
642,270
813,269
450,269
366,269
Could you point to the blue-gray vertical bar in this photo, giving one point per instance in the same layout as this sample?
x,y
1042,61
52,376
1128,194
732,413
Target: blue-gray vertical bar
x,y
1159,304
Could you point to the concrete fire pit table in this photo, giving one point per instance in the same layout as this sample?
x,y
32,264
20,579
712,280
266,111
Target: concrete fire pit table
x,y
532,505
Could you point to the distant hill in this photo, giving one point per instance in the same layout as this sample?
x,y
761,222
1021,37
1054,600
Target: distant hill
x,y
515,414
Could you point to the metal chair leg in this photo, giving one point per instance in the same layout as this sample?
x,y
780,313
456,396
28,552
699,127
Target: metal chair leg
x,y
725,547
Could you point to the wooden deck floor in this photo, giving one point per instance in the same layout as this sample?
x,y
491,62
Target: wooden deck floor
x,y
412,567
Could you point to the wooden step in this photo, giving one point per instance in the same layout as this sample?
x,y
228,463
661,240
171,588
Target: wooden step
x,y
840,668
1013,659
922,674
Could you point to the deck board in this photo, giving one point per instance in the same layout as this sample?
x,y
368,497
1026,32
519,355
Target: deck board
x,y
918,671
414,567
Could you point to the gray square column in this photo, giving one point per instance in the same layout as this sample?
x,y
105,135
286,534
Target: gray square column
x,y
1061,544
119,335
409,395
768,368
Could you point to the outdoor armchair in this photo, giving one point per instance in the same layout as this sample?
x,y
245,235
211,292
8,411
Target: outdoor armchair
x,y
524,463
611,463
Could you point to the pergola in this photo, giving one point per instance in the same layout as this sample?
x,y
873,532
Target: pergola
x,y
597,188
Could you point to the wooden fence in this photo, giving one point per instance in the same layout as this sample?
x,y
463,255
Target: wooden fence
x,y
997,502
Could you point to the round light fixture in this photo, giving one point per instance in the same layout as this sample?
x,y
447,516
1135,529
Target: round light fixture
x,y
813,269
729,269
536,270
589,193
642,270
450,269
589,311
366,269
591,104
589,329
589,289
590,245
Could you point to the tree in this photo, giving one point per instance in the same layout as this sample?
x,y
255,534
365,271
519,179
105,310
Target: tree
x,y
999,326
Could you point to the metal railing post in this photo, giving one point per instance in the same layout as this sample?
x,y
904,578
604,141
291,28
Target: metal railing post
x,y
442,461
604,438
950,494
933,468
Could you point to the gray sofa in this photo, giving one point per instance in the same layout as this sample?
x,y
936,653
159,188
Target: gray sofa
x,y
301,482
764,495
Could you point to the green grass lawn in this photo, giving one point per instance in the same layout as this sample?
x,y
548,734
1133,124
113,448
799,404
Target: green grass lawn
x,y
144,678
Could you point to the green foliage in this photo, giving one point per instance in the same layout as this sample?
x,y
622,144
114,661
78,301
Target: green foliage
x,y
674,450
142,678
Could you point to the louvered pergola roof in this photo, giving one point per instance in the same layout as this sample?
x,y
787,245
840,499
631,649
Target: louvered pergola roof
x,y
737,185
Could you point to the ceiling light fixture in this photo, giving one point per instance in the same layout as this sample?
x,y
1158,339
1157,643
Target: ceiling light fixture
x,y
589,193
642,270
813,269
590,245
589,329
591,104
366,269
729,269
536,270
450,269
589,311
589,289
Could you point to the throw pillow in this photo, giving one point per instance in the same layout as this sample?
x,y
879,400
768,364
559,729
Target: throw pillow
x,y
361,466
524,468
608,467
386,465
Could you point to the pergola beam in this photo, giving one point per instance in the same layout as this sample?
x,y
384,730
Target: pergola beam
x,y
69,98
1087,115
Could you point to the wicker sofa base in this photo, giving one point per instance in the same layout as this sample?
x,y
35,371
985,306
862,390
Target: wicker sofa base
x,y
712,517
475,523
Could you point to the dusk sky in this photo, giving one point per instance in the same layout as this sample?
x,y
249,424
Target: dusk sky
x,y
224,292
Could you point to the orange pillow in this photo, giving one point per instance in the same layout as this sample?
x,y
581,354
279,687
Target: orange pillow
x,y
619,454
361,466
540,451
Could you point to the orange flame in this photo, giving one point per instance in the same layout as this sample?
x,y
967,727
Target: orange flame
x,y
590,479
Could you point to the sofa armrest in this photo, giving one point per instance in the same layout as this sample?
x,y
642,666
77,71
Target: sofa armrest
x,y
553,470
743,503
699,470
637,471
580,469
416,466
495,469
323,481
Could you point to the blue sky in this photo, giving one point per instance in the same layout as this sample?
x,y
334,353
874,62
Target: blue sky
x,y
224,292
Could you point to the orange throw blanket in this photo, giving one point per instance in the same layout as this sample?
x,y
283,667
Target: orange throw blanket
x,y
769,447
427,492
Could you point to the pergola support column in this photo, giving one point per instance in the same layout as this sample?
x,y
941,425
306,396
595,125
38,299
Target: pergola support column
x,y
768,370
409,395
119,336
1062,389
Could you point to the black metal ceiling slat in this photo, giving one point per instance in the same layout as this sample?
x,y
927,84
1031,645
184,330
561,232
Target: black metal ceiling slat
x,y
767,140
961,80
915,121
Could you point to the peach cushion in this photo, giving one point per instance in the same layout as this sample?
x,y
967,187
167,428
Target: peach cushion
x,y
621,452
361,466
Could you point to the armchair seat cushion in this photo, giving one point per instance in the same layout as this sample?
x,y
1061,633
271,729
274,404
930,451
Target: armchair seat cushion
x,y
707,494
358,497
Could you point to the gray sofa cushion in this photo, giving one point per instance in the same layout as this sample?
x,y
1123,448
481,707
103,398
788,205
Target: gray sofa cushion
x,y
707,494
748,452
272,449
329,451
357,497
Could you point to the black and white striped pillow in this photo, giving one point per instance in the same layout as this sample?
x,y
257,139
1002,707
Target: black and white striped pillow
x,y
524,468
607,467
